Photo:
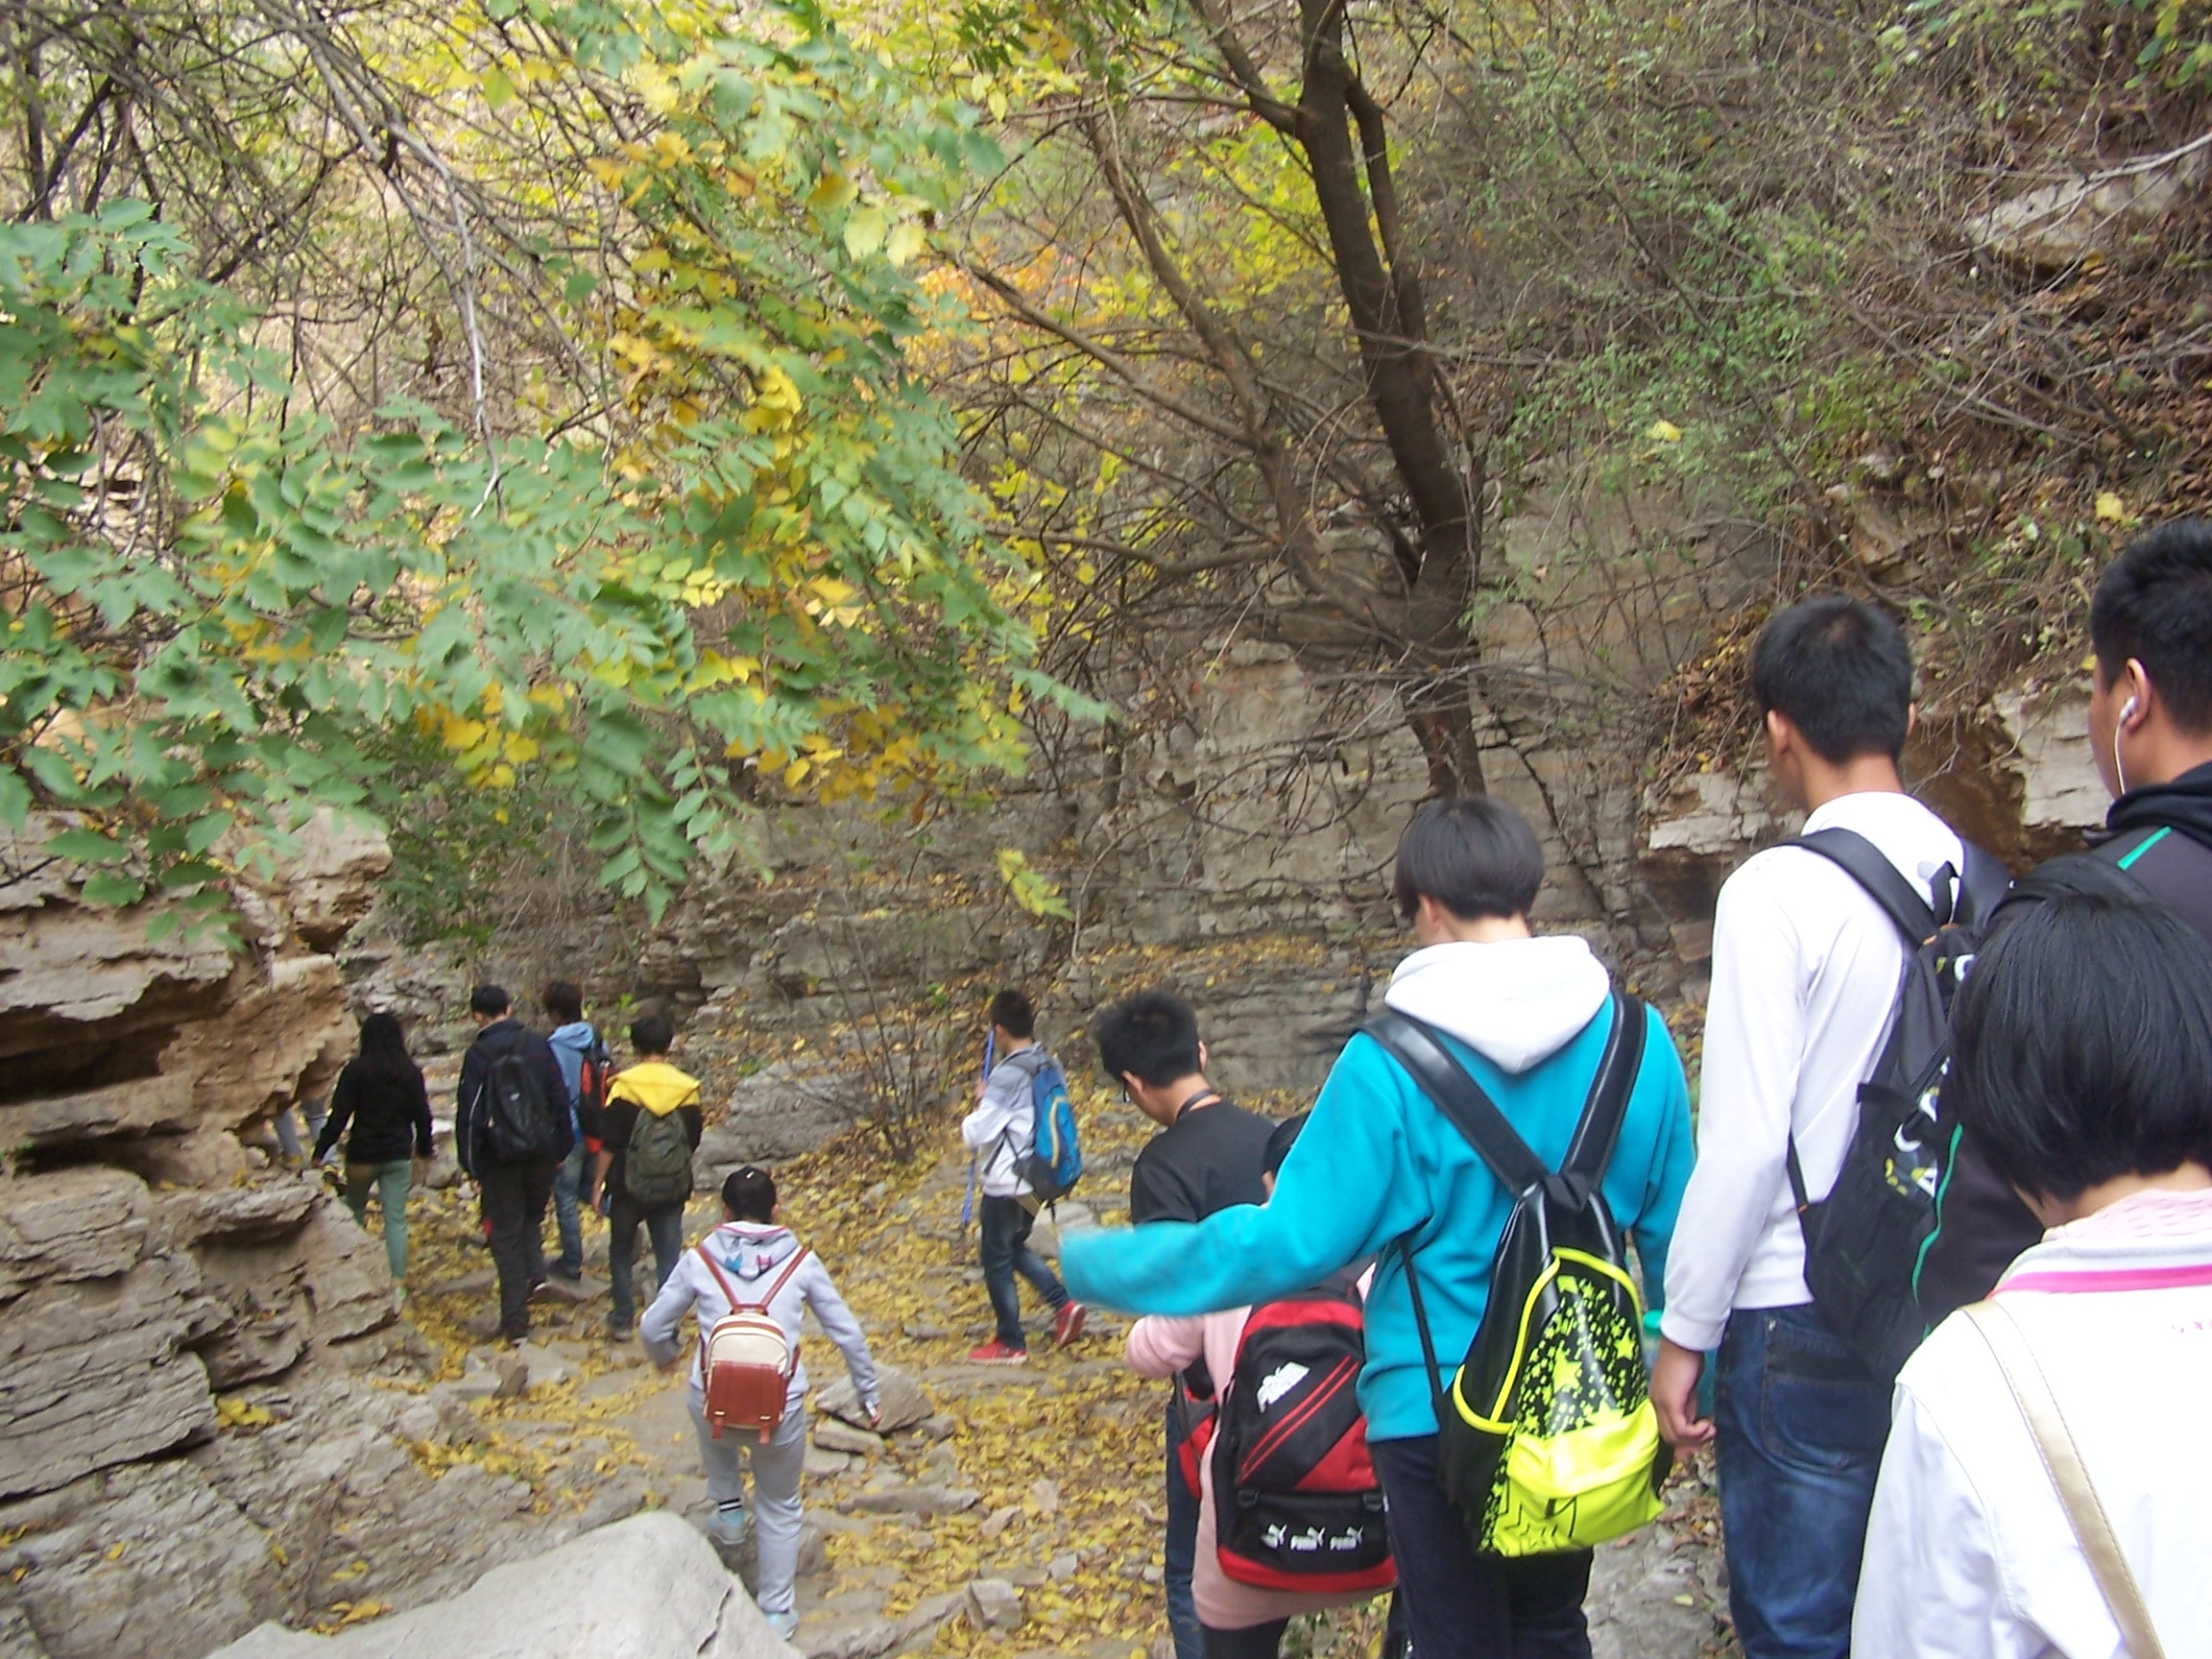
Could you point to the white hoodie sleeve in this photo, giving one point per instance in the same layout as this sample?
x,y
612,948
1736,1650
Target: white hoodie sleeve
x,y
1001,1126
841,1328
660,1330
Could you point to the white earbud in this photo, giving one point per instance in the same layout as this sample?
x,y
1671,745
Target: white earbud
x,y
2120,772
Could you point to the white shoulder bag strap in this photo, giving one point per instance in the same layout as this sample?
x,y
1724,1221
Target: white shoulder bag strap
x,y
2077,1494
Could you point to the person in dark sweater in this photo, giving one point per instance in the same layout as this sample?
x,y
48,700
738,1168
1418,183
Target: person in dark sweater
x,y
2151,732
381,1095
1208,1155
515,1193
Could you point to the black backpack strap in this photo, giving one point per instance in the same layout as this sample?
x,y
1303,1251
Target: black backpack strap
x,y
1865,864
1615,1080
1459,1097
1983,886
1421,1324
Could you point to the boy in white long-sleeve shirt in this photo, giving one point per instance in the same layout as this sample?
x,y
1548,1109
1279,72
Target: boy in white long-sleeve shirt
x,y
1805,972
753,1250
1002,1131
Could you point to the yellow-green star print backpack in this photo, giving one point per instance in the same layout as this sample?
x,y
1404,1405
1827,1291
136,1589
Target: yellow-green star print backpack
x,y
1546,1440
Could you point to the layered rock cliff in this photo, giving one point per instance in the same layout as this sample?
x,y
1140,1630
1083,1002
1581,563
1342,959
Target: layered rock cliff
x,y
190,1334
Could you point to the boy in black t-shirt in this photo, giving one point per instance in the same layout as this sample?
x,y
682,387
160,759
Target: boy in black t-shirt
x,y
1208,1155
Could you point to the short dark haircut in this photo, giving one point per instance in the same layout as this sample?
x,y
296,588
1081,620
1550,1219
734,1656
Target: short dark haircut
x,y
2154,603
1280,1142
750,1194
2081,1044
1152,1034
563,1000
1011,1012
489,1000
1840,671
1473,854
650,1034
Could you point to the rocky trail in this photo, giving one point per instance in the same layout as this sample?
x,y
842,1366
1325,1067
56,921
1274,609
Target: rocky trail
x,y
1013,1511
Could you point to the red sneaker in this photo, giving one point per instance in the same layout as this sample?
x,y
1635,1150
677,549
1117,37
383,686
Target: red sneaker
x,y
1067,1324
996,1353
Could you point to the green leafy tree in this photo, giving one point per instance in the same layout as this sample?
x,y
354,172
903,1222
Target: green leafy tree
x,y
734,543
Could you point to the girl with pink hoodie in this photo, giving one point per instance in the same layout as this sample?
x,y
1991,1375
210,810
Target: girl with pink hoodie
x,y
1239,1621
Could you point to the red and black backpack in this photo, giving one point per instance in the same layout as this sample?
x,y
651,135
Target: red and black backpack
x,y
1296,1502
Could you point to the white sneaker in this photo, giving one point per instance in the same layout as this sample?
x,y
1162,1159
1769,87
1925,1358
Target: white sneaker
x,y
728,1527
784,1625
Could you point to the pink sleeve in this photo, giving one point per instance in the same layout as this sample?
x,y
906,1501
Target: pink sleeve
x,y
1161,1347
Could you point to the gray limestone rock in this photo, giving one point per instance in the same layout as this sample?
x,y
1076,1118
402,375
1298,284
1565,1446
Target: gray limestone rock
x,y
782,1110
142,1106
904,1403
833,1434
70,1225
915,1501
649,1585
96,1373
994,1605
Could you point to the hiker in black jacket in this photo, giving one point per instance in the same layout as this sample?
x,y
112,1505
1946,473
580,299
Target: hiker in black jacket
x,y
515,1190
380,1093
2150,730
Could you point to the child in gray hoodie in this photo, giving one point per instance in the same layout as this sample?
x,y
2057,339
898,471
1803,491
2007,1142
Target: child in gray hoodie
x,y
752,1248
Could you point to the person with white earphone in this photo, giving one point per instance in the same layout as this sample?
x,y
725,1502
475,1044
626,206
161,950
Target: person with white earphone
x,y
2149,729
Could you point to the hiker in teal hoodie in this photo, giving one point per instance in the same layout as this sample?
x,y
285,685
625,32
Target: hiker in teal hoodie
x,y
1379,1164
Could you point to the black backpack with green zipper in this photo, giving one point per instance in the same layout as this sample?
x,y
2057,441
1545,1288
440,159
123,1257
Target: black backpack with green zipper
x,y
1546,1436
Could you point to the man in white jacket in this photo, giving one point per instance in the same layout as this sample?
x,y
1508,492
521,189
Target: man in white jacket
x,y
2081,1042
752,1251
1805,973
1002,1131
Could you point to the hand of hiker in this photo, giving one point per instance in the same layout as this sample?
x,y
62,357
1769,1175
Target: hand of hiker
x,y
1674,1378
875,1417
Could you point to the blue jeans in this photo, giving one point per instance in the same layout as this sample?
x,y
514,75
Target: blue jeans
x,y
567,1194
1181,1551
1801,1424
1006,1252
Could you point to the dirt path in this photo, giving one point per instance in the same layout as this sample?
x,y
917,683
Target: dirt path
x,y
1047,1477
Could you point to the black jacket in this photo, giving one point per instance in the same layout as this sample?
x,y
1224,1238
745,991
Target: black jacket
x,y
495,1038
391,1116
2160,839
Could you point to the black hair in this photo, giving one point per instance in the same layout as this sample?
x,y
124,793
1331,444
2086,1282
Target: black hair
x,y
563,1000
384,1047
650,1034
2154,603
2080,1046
1153,1034
491,1000
1839,668
1011,1012
1473,854
1280,1142
750,1194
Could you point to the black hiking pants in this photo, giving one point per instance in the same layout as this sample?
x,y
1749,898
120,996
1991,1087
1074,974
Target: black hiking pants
x,y
515,1198
664,1224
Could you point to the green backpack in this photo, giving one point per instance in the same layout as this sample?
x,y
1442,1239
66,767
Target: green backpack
x,y
657,1164
1547,1439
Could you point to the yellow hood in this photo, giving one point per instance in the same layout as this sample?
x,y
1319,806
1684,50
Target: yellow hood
x,y
655,1086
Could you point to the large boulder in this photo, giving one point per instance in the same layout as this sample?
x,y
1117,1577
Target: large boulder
x,y
649,1585
782,1110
